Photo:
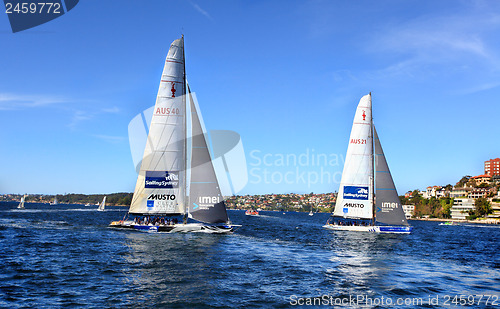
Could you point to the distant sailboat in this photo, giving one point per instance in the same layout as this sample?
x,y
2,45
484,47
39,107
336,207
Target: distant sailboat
x,y
102,205
161,193
21,204
55,202
357,207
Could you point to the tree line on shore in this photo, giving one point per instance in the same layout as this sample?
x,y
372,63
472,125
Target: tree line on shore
x,y
117,199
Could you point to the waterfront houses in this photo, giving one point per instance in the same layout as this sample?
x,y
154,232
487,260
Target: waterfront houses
x,y
289,202
459,201
409,211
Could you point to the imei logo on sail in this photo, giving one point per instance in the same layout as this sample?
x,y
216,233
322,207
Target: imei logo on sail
x,y
205,202
355,193
388,207
161,180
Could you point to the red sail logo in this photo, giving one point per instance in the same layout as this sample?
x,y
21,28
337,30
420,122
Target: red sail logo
x,y
364,116
173,90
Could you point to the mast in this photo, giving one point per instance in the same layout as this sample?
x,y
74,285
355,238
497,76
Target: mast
x,y
185,125
372,158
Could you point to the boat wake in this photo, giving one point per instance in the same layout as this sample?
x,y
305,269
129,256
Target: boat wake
x,y
482,226
27,210
33,224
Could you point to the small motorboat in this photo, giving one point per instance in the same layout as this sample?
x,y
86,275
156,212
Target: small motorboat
x,y
251,212
448,223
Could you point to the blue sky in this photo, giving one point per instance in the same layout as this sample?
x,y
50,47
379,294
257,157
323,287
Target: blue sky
x,y
285,75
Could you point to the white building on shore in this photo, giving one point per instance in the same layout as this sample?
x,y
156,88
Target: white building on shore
x,y
409,211
461,207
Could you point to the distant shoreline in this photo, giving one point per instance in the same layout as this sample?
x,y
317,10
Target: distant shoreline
x,y
482,221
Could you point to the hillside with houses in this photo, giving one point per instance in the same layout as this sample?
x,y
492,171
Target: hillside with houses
x,y
284,202
471,198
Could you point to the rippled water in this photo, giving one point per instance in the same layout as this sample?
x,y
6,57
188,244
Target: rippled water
x,y
65,256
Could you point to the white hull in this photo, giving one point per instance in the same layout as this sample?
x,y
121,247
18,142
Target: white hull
x,y
370,228
175,228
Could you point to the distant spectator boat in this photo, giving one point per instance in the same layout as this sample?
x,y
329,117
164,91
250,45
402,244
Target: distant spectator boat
x,y
102,205
21,204
448,223
251,212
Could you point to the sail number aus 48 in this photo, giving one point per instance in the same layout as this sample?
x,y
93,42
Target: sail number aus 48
x,y
359,141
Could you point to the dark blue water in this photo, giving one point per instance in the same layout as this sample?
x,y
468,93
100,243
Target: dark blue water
x,y
65,256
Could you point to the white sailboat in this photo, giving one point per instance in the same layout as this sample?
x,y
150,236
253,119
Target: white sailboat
x,y
55,202
21,203
170,157
367,200
102,205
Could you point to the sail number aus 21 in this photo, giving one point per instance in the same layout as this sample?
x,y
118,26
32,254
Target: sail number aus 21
x,y
359,141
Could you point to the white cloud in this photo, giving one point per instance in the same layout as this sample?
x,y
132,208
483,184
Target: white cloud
x,y
80,116
480,88
110,138
443,39
111,110
9,101
200,10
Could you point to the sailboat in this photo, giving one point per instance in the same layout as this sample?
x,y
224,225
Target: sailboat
x,y
102,205
55,202
175,162
21,203
367,200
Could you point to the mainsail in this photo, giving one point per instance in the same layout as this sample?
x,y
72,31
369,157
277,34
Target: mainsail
x,y
388,205
206,202
21,203
160,187
102,205
355,195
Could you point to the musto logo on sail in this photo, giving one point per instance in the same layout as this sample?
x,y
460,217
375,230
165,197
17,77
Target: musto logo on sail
x,y
161,197
161,180
356,193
